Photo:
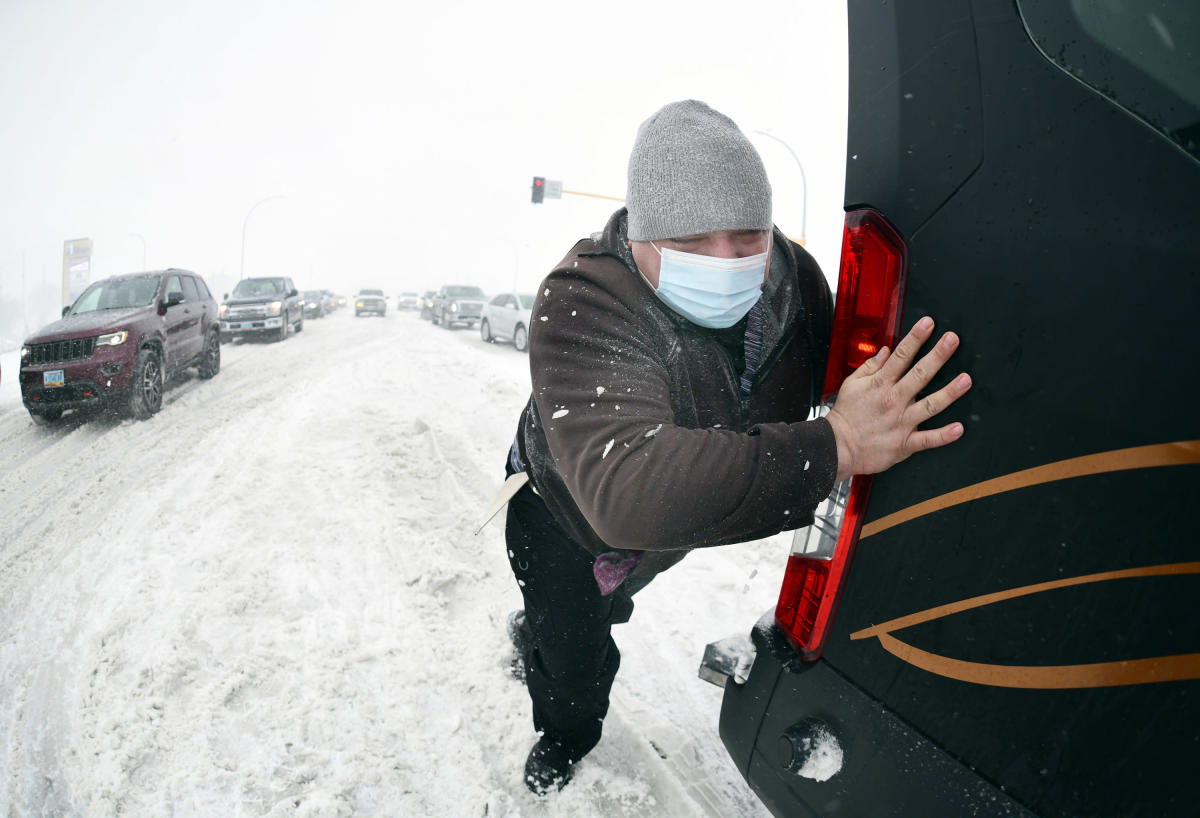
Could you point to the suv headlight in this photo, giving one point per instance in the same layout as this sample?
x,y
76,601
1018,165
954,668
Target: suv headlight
x,y
275,307
453,306
221,310
24,353
112,339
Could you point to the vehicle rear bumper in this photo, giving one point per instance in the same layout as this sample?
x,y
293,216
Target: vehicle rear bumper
x,y
888,768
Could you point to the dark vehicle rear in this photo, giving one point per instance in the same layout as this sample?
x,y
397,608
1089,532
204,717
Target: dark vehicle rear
x,y
1007,626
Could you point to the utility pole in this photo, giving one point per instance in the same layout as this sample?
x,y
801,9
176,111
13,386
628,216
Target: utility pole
x,y
245,221
143,238
803,179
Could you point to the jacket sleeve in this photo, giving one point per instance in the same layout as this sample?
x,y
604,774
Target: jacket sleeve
x,y
600,369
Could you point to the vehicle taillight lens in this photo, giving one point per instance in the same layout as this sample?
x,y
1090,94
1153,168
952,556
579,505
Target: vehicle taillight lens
x,y
869,296
866,317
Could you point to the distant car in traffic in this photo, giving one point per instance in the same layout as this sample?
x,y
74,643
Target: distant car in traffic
x,y
269,306
1005,626
427,304
458,304
408,301
316,304
370,302
117,345
506,317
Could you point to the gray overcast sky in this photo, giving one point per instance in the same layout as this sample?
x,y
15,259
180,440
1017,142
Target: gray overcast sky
x,y
402,142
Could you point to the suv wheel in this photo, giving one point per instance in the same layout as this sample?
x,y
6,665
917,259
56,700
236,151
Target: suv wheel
x,y
283,328
210,363
485,331
300,324
146,392
520,338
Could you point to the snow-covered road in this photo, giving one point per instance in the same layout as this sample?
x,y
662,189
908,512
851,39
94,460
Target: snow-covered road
x,y
268,600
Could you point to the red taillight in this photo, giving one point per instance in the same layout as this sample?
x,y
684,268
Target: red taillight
x,y
870,293
867,316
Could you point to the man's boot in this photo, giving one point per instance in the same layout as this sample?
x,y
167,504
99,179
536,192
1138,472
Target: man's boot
x,y
549,766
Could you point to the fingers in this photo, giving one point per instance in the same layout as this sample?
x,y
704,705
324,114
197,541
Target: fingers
x,y
932,404
926,368
906,350
920,441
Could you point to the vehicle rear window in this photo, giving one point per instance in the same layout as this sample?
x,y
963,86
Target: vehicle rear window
x,y
1142,54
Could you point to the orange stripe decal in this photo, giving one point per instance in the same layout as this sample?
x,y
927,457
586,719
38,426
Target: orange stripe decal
x,y
1138,457
1060,677
1103,674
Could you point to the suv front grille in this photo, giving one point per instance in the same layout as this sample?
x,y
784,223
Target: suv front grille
x,y
74,350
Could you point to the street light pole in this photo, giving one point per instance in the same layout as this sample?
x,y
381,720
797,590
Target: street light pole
x,y
143,238
803,179
245,221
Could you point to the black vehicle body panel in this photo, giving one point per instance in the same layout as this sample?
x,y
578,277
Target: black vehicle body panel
x,y
1054,231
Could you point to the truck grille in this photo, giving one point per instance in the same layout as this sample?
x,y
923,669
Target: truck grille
x,y
74,350
252,313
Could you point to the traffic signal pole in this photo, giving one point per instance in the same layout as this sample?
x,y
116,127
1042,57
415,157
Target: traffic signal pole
x,y
593,195
543,189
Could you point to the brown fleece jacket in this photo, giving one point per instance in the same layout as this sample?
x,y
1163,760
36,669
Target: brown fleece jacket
x,y
637,435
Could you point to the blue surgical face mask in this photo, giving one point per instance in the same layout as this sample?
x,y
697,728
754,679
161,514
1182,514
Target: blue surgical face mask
x,y
709,291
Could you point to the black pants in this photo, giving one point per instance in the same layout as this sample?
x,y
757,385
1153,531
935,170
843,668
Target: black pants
x,y
570,669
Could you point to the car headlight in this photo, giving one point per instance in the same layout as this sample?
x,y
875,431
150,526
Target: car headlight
x,y
275,307
24,353
112,339
453,306
221,310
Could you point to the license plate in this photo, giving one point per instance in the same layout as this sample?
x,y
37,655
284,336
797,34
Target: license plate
x,y
53,378
246,325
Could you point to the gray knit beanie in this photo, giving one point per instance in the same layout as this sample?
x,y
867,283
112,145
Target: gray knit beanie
x,y
692,171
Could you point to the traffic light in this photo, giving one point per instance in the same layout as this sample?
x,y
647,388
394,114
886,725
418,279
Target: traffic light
x,y
539,189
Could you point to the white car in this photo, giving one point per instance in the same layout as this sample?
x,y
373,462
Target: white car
x,y
507,317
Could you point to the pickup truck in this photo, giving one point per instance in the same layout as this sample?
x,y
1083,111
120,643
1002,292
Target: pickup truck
x,y
262,306
458,304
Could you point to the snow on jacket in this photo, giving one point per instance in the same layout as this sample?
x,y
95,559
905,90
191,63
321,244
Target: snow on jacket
x,y
640,435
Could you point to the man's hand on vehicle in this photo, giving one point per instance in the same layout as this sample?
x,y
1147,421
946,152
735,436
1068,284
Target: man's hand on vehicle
x,y
876,414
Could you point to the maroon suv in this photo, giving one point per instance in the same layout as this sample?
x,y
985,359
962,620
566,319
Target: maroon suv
x,y
120,340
